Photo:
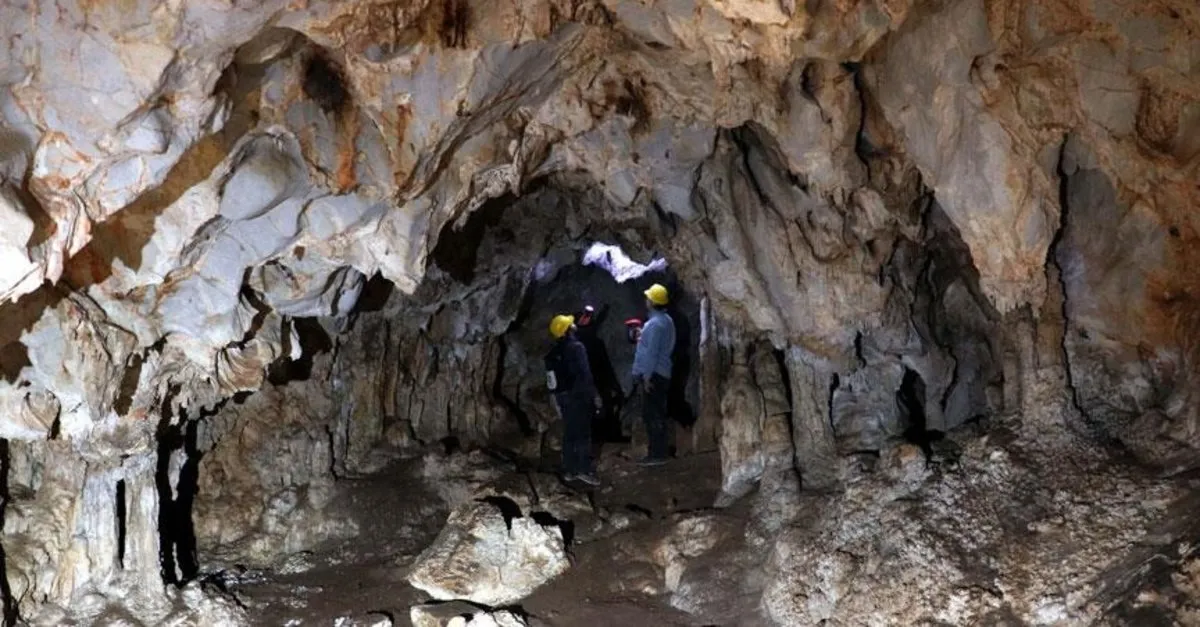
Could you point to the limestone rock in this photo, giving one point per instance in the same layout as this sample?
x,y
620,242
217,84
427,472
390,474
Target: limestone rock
x,y
743,412
924,84
461,614
216,201
488,556
690,538
243,448
460,479
1128,377
865,411
889,536
18,229
368,620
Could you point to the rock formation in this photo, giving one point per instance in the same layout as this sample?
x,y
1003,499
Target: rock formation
x,y
489,556
458,614
250,249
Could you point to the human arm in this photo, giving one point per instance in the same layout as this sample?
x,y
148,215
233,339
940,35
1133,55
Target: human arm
x,y
641,356
645,355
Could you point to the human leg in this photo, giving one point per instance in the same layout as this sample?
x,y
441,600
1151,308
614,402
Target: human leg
x,y
655,415
577,427
569,437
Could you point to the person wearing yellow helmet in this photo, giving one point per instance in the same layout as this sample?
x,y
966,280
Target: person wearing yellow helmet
x,y
652,372
569,378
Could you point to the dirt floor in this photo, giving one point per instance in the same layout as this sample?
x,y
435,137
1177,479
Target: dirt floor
x,y
619,577
612,580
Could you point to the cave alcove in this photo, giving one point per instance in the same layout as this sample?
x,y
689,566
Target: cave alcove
x,y
576,285
493,246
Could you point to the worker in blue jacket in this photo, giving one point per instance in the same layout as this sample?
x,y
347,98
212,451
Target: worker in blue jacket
x,y
570,379
652,372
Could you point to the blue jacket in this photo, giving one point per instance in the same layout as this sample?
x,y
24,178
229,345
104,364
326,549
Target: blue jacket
x,y
653,354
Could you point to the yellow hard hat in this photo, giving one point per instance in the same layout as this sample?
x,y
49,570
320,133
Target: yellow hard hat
x,y
657,294
560,324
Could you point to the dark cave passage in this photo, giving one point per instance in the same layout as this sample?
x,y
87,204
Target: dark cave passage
x,y
121,522
610,352
178,554
911,399
10,611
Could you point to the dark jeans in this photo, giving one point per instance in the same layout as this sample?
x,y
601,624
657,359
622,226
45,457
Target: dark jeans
x,y
654,412
577,433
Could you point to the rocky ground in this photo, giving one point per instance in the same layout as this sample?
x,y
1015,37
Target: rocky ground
x,y
991,525
397,517
614,579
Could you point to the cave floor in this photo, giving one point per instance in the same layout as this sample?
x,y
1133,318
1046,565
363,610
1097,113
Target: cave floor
x,y
613,580
1062,515
357,575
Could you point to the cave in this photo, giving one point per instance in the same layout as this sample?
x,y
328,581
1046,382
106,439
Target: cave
x,y
276,282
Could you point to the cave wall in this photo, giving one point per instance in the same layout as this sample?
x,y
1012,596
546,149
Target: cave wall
x,y
864,187
1129,359
461,359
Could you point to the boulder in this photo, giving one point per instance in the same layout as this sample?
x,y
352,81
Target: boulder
x,y
488,553
690,538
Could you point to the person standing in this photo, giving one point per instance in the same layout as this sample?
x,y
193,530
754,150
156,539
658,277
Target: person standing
x,y
570,380
652,372
587,330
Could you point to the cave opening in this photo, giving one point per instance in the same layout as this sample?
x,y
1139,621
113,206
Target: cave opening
x,y
457,248
10,611
911,400
121,515
314,340
177,481
603,288
593,270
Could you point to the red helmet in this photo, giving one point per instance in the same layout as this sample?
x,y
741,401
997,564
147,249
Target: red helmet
x,y
633,330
